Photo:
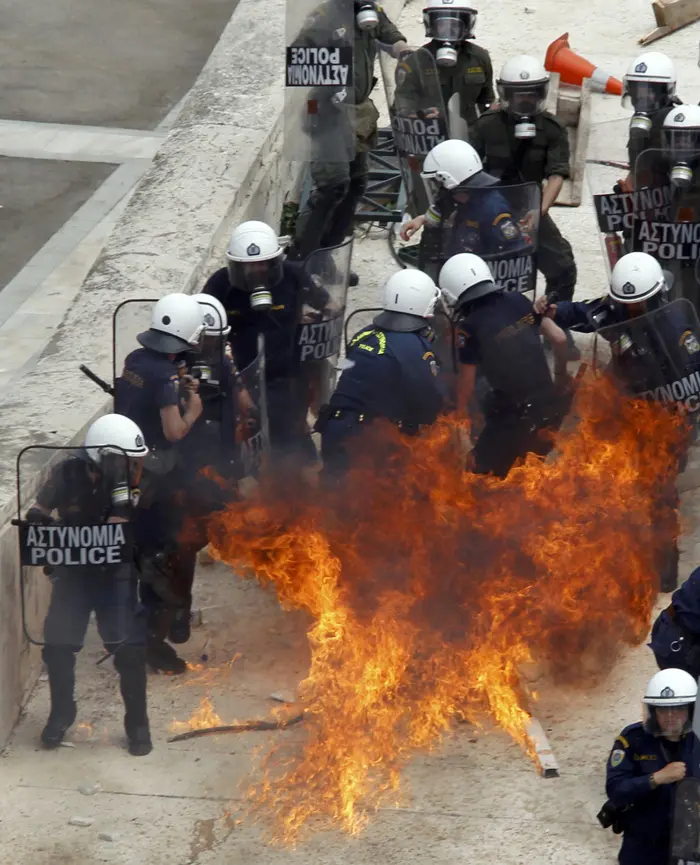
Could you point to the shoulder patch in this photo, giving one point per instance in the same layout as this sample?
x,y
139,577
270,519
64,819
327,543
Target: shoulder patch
x,y
616,758
690,342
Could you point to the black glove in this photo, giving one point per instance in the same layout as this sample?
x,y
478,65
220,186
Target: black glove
x,y
38,517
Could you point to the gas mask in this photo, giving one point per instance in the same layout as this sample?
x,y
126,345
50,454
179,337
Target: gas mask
x,y
524,102
451,28
366,15
122,476
683,147
257,278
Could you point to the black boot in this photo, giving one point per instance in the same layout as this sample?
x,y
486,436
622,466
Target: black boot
x,y
179,631
60,665
162,658
130,662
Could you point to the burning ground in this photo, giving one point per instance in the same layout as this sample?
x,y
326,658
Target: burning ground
x,y
431,590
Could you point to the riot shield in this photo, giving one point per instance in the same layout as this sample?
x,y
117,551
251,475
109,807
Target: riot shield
x,y
319,110
72,559
655,356
685,836
253,433
667,224
129,319
418,117
321,311
500,224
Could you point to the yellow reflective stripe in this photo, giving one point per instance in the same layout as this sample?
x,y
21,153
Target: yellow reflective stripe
x,y
502,216
381,339
624,741
428,355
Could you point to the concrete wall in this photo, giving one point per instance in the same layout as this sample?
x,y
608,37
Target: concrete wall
x,y
219,164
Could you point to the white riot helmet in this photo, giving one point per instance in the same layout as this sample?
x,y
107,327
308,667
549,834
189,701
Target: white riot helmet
x,y
681,136
454,164
669,689
449,23
176,325
214,317
116,444
255,262
522,89
648,86
366,15
636,278
464,278
409,301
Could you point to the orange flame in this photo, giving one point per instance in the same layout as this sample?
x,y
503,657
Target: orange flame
x,y
431,587
204,717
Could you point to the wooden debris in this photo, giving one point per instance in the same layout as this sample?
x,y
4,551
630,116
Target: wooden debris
x,y
671,15
572,106
543,751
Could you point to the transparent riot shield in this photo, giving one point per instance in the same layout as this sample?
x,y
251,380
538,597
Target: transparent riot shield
x,y
130,318
319,110
322,300
655,356
607,173
498,223
253,431
73,560
667,225
685,836
418,117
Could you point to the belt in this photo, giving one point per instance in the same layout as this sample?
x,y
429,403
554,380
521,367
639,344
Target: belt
x,y
686,635
363,417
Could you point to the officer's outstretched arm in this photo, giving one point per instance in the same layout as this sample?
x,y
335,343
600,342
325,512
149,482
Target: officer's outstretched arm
x,y
175,425
466,382
551,191
557,339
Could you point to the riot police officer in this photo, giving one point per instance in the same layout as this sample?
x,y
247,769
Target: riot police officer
x,y
499,333
649,89
391,370
643,356
518,142
675,635
646,761
151,393
464,68
469,218
262,293
338,185
98,486
211,443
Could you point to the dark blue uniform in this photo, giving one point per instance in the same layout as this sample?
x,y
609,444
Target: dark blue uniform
x,y
394,376
483,225
647,824
501,335
83,496
148,383
675,637
287,398
655,356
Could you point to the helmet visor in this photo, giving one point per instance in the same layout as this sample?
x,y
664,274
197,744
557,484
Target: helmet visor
x,y
523,100
646,96
252,276
682,141
670,721
450,25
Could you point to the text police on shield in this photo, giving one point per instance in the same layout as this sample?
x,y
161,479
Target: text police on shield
x,y
68,546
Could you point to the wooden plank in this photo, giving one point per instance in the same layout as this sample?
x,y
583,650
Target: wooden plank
x,y
546,760
679,13
671,15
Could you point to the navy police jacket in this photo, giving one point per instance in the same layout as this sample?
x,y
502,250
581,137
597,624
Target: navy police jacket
x,y
394,376
148,383
484,225
635,756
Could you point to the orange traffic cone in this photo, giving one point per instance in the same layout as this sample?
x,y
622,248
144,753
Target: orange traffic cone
x,y
573,68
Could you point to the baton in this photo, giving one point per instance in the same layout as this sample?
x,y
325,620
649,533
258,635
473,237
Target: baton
x,y
100,382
